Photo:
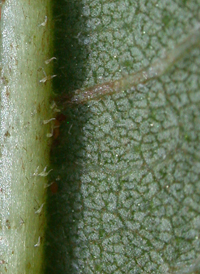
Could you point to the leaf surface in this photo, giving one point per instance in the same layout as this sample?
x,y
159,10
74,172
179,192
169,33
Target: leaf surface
x,y
128,164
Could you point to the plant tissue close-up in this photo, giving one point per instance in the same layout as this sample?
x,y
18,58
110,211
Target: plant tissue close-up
x,y
100,137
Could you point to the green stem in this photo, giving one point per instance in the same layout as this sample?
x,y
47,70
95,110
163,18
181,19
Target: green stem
x,y
24,143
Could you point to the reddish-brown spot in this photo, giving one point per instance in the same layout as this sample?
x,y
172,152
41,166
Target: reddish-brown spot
x,y
7,134
7,92
61,117
54,188
8,224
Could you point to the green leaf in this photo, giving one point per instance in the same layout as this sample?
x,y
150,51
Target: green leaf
x,y
128,164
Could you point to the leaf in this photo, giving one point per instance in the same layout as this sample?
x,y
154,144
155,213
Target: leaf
x,y
128,164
